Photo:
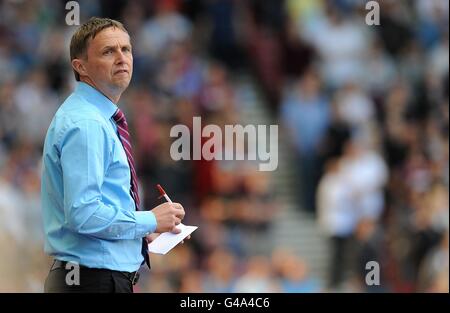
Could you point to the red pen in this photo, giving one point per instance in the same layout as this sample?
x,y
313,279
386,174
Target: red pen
x,y
163,193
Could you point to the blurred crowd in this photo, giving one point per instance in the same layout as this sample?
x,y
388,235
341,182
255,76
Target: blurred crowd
x,y
364,110
368,119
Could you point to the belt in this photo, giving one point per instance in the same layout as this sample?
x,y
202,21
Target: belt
x,y
133,276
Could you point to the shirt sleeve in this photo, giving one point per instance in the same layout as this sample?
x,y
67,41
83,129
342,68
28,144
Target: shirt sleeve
x,y
85,152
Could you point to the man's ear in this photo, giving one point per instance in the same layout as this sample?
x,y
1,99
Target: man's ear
x,y
78,66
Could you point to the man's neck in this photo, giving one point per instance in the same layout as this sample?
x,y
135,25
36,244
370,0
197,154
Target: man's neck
x,y
113,98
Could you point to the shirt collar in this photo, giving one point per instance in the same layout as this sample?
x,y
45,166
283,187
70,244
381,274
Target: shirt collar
x,y
106,107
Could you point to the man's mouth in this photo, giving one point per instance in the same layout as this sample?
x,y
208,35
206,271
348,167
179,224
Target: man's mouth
x,y
120,72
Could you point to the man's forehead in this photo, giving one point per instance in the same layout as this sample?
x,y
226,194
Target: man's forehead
x,y
111,36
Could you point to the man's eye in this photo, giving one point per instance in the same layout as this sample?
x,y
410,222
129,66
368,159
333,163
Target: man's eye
x,y
107,52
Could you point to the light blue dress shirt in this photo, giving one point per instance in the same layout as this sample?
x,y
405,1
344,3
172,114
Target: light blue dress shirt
x,y
88,213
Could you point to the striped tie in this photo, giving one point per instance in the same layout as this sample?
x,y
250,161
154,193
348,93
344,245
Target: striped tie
x,y
124,135
122,128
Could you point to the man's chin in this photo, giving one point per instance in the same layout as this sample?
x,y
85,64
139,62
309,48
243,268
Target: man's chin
x,y
122,84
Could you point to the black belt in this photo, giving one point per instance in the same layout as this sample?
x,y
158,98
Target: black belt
x,y
133,276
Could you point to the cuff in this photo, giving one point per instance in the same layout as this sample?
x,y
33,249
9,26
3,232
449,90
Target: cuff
x,y
145,223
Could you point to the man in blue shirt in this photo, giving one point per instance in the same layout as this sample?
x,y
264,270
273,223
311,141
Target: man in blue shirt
x,y
93,224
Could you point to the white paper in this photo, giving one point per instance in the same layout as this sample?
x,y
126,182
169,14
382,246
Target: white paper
x,y
166,241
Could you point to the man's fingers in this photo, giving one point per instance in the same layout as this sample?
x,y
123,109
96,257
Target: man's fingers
x,y
175,230
179,210
151,237
179,214
187,238
177,206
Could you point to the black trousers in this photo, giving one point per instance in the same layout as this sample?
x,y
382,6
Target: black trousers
x,y
89,280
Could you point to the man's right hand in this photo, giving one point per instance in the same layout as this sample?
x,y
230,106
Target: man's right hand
x,y
168,216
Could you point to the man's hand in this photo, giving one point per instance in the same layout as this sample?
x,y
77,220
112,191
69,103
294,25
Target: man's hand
x,y
152,237
168,216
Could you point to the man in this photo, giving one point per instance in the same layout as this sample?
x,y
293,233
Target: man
x,y
90,198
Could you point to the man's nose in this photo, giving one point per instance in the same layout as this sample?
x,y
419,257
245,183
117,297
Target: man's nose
x,y
121,58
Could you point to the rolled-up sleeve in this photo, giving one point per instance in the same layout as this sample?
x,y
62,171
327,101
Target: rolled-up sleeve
x,y
85,152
